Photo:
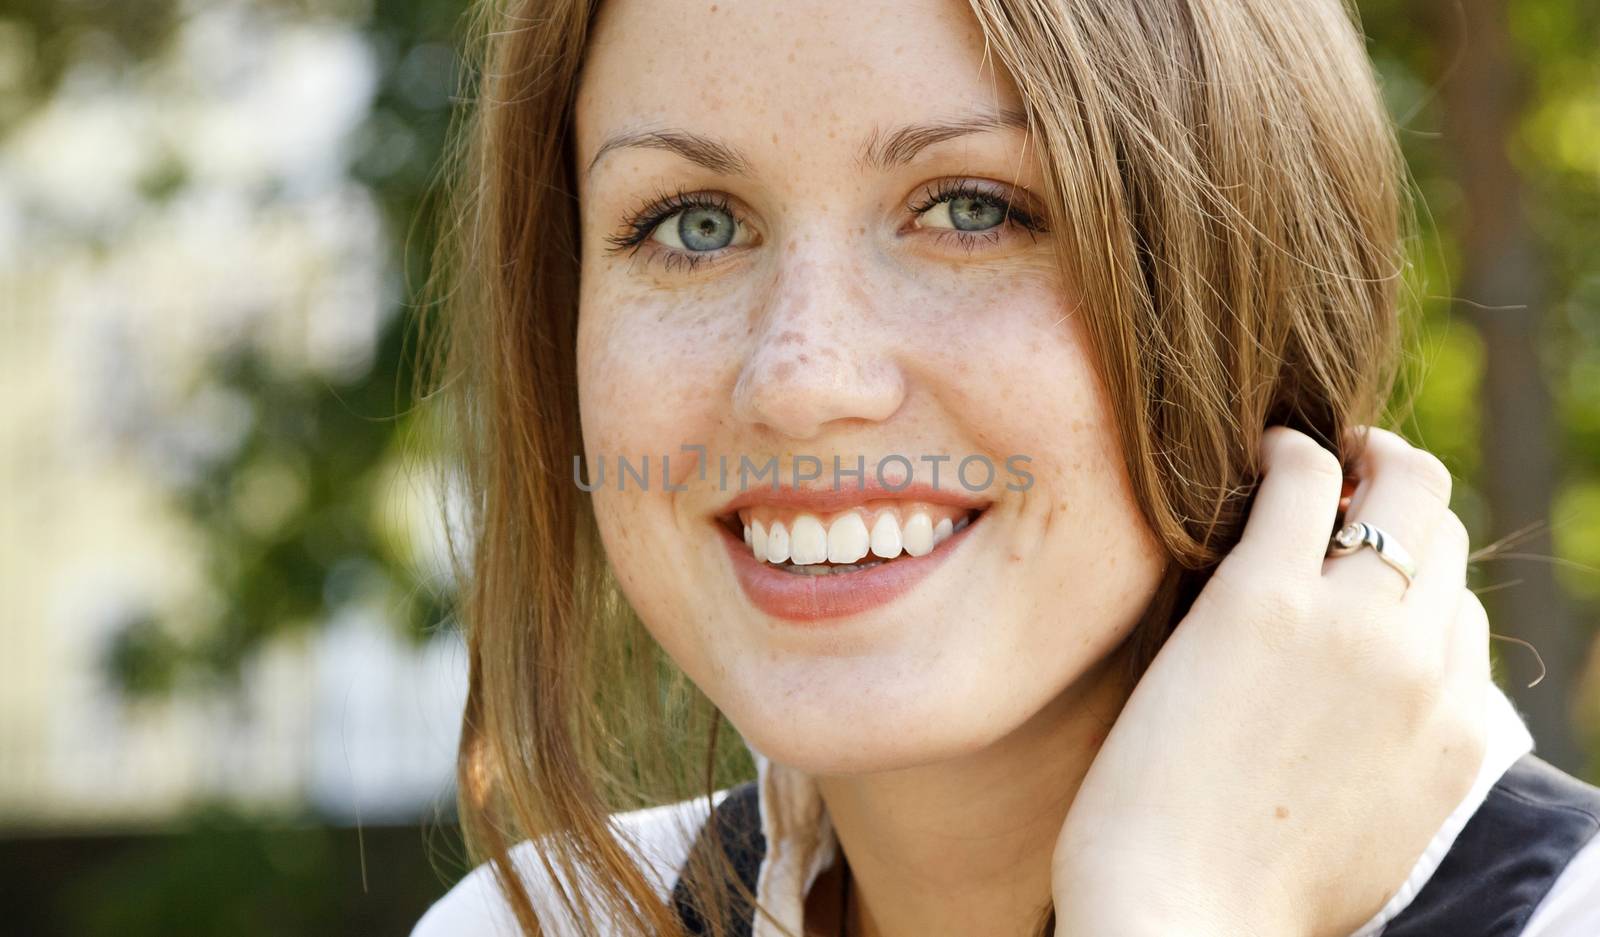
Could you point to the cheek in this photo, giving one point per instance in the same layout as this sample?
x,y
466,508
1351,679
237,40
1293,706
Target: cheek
x,y
1078,536
1100,560
648,371
650,364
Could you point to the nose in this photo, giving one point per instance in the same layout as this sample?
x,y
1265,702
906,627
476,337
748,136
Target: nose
x,y
820,356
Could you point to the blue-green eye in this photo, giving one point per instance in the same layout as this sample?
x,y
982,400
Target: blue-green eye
x,y
702,229
972,214
695,227
689,226
962,205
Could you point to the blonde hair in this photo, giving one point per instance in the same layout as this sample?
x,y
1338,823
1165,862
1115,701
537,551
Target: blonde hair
x,y
1225,189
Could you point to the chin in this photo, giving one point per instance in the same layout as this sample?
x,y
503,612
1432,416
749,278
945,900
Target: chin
x,y
835,724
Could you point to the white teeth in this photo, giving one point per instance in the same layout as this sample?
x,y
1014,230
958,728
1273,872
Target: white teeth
x,y
809,542
846,542
847,539
918,535
886,536
778,543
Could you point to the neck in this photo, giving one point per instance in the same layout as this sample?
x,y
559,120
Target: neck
x,y
964,846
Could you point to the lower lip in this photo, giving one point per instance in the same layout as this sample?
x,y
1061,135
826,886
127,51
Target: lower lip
x,y
799,597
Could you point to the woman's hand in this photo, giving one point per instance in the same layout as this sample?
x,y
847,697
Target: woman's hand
x,y
1305,731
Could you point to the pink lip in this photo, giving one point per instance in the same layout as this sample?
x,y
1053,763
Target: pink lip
x,y
801,598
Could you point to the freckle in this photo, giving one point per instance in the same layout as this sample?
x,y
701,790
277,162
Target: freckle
x,y
805,359
792,337
1282,812
1016,557
829,353
791,55
713,8
783,370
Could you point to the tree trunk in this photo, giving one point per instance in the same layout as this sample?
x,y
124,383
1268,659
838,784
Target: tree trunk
x,y
1502,290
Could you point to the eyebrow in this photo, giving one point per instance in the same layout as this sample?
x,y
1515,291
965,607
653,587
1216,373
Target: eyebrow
x,y
880,151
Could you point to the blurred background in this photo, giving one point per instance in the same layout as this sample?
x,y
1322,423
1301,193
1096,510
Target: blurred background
x,y
229,680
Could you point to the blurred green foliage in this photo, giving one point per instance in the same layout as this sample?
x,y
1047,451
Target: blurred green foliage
x,y
321,443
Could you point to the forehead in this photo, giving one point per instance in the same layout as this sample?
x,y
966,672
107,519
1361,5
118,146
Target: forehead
x,y
782,77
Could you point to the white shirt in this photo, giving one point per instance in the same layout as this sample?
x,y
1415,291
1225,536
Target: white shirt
x,y
801,844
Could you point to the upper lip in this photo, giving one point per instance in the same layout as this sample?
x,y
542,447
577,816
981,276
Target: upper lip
x,y
824,500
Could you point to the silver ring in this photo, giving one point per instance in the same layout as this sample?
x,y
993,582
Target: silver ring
x,y
1352,537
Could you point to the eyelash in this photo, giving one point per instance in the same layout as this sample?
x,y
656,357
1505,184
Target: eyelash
x,y
643,222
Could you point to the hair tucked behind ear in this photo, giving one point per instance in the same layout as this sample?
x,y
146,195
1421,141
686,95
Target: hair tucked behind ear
x,y
1229,188
1226,192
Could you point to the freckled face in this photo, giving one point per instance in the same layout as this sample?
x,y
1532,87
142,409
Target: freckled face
x,y
816,295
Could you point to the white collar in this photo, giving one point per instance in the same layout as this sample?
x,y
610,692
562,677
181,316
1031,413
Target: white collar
x,y
801,842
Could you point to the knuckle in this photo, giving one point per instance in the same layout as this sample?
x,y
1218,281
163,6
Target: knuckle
x,y
1303,454
1448,553
1431,474
1473,619
1454,531
1380,438
1472,608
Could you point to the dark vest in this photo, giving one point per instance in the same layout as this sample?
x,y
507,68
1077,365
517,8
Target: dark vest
x,y
1511,851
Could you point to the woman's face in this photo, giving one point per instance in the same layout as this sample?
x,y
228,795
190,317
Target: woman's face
x,y
834,275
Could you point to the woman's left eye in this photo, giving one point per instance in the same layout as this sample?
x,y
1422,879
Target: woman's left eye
x,y
972,212
967,214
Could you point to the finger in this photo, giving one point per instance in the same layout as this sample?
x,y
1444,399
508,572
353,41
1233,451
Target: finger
x,y
1403,491
1428,613
1442,569
1295,504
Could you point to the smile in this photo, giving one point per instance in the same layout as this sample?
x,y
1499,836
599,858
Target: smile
x,y
803,543
807,556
